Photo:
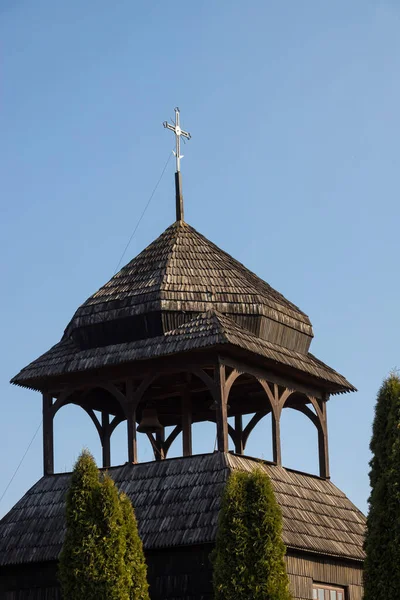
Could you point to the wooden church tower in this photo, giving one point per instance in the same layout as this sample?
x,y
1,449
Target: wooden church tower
x,y
184,334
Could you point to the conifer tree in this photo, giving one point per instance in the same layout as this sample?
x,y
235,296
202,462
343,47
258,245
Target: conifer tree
x,y
77,560
249,556
382,543
102,557
134,555
111,579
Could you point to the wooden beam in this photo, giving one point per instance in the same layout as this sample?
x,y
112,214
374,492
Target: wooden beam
x,y
48,435
138,370
261,373
131,422
160,440
187,422
239,445
221,409
105,439
323,450
276,439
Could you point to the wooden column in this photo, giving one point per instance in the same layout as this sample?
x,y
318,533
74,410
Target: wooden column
x,y
48,435
160,439
105,439
276,438
239,446
186,422
221,412
131,423
323,442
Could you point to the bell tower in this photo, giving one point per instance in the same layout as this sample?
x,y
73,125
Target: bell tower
x,y
184,333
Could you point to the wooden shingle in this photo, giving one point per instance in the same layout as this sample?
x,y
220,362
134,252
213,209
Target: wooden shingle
x,y
177,502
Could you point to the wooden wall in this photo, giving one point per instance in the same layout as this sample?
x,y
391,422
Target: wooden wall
x,y
29,582
304,569
185,573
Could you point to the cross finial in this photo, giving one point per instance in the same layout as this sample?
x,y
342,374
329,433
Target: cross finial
x,y
176,128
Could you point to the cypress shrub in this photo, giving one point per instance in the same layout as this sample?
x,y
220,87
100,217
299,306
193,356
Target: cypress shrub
x,y
248,559
382,542
110,577
77,560
134,555
102,557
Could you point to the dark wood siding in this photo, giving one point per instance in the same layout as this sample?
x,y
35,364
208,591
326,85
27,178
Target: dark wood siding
x,y
304,569
37,581
185,573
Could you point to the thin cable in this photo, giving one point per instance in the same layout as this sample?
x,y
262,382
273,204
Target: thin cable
x,y
21,461
144,211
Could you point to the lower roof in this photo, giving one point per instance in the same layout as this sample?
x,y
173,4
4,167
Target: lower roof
x,y
177,503
205,331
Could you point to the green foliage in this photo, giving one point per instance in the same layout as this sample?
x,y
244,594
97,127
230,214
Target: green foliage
x,y
77,558
134,556
102,556
382,543
249,555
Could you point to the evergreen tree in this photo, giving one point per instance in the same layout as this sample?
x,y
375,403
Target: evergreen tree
x,y
249,555
77,560
111,580
382,543
134,556
102,557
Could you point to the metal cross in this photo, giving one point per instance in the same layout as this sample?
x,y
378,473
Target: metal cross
x,y
176,128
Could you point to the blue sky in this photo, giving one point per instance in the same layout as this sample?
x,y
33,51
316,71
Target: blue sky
x,y
292,168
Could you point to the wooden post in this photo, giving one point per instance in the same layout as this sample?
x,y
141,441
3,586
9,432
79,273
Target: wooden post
x,y
131,423
239,446
186,422
160,439
276,439
221,412
323,442
48,435
178,196
105,439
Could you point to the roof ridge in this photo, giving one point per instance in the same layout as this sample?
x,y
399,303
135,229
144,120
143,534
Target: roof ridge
x,y
176,227
278,297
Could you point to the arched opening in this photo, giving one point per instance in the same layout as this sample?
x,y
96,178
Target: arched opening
x,y
179,401
74,430
204,437
175,449
119,451
259,442
249,415
299,435
144,448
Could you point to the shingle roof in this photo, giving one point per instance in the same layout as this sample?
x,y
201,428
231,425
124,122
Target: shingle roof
x,y
177,503
182,270
203,331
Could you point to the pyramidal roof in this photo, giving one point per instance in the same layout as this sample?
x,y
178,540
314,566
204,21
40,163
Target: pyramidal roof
x,y
183,271
183,294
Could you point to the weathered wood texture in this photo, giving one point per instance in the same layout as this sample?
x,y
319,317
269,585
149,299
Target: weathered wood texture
x,y
181,294
177,503
183,271
36,581
205,331
185,573
305,569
